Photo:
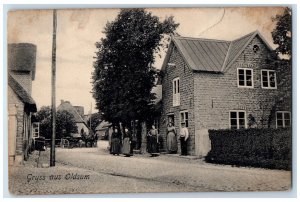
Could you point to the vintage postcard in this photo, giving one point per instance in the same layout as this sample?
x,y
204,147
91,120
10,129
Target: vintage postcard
x,y
147,100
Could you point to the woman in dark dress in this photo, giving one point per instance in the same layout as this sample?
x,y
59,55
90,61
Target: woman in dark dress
x,y
153,142
115,147
127,143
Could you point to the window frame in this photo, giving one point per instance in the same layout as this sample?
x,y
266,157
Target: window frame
x,y
237,118
238,78
261,78
176,91
186,120
283,119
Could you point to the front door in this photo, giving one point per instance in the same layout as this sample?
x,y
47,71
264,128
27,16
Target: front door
x,y
170,119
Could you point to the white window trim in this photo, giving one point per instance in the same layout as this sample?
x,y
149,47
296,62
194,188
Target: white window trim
x,y
171,64
261,78
238,79
177,95
238,124
184,111
283,121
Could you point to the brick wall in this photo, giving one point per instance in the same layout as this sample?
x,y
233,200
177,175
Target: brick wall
x,y
209,97
217,94
186,86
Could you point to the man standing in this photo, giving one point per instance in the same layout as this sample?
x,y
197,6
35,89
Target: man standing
x,y
184,135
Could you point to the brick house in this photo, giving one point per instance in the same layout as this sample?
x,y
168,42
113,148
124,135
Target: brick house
x,y
217,84
21,106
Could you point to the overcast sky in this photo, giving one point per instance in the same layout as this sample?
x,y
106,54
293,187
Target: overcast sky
x,y
78,30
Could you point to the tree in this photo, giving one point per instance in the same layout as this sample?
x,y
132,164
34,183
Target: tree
x,y
123,71
282,34
65,123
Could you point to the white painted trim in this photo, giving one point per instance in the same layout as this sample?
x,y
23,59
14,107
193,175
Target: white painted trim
x,y
237,76
261,78
175,94
283,121
183,111
171,64
237,117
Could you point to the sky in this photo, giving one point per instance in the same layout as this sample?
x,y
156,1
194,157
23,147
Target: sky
x,y
79,29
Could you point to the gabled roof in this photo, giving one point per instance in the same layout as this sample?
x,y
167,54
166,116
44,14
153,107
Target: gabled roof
x,y
202,54
210,55
103,125
66,105
22,93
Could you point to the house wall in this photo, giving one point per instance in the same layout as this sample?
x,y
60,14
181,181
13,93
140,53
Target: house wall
x,y
16,120
209,97
217,94
185,74
80,126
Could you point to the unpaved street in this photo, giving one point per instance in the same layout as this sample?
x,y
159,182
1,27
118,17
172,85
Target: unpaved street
x,y
141,173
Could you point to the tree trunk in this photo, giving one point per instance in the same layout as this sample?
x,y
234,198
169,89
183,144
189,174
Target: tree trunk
x,y
144,138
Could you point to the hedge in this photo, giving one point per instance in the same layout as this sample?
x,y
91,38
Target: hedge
x,y
266,148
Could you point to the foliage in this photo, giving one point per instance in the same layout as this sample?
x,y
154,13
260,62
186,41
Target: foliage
x,y
282,34
268,148
65,123
96,120
123,73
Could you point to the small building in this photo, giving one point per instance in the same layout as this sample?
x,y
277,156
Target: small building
x,y
104,130
77,112
21,106
218,84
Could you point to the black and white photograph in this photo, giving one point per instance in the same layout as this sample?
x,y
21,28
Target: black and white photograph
x,y
149,100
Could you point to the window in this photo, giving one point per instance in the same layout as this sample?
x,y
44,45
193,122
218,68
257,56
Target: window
x,y
176,93
245,77
268,79
237,119
283,119
255,48
35,130
184,118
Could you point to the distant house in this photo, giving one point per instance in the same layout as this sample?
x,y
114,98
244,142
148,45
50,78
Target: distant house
x,y
218,84
21,106
77,112
104,130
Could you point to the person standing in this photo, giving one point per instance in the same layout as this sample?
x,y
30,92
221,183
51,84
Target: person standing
x,y
127,143
115,142
152,143
184,135
171,138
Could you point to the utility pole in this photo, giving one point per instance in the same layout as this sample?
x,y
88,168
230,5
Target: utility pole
x,y
53,81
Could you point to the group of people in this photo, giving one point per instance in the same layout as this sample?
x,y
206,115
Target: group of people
x,y
118,147
172,138
125,145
